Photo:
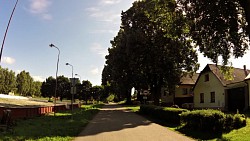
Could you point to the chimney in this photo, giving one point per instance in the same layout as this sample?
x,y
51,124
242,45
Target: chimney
x,y
245,70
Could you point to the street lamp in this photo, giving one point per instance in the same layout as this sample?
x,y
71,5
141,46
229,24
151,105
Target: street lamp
x,y
79,76
80,83
72,68
51,45
72,88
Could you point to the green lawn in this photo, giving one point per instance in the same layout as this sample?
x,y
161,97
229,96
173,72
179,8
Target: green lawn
x,y
241,134
133,108
52,128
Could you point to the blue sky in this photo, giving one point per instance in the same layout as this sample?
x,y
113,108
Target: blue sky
x,y
81,29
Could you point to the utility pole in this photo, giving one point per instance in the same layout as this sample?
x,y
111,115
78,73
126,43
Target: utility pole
x,y
7,30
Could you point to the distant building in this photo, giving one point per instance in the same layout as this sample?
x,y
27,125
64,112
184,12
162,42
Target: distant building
x,y
183,91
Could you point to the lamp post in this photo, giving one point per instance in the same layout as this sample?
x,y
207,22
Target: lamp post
x,y
72,68
6,31
79,76
80,84
51,45
72,89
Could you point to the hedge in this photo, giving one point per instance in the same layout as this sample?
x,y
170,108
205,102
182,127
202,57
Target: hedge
x,y
168,114
212,120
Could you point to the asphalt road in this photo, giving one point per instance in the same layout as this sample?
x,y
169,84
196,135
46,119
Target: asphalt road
x,y
114,123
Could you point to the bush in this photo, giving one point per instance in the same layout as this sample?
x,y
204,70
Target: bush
x,y
203,120
212,120
228,123
110,98
170,115
239,121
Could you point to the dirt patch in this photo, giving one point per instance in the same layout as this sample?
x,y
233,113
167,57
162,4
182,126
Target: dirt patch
x,y
5,102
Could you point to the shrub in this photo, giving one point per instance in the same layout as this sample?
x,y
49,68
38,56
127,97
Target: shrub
x,y
228,123
204,120
168,114
239,121
110,98
212,120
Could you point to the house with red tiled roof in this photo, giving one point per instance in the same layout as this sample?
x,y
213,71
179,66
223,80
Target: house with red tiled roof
x,y
183,91
214,90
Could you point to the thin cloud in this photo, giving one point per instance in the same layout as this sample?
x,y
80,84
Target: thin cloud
x,y
113,32
92,9
98,49
110,2
104,15
38,78
40,8
8,60
94,71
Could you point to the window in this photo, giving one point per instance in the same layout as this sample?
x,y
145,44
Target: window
x,y
206,77
184,91
212,97
201,97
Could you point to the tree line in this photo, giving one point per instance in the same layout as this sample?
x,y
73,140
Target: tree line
x,y
84,90
22,83
158,42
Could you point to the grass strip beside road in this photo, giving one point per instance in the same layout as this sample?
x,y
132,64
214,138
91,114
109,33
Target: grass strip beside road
x,y
52,128
132,108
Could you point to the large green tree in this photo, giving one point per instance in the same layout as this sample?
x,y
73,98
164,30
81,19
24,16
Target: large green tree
x,y
119,74
219,28
148,53
63,87
85,93
97,92
36,89
24,83
7,81
48,87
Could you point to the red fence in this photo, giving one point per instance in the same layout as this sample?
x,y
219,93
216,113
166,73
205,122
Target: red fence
x,y
28,112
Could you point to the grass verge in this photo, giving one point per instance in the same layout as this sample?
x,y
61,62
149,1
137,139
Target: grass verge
x,y
52,128
132,108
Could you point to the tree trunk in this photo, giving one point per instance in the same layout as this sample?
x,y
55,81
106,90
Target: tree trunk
x,y
156,92
128,96
171,89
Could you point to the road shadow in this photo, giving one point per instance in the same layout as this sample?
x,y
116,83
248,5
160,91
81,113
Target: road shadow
x,y
113,117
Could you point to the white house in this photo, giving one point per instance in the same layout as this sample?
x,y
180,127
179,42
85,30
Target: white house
x,y
213,90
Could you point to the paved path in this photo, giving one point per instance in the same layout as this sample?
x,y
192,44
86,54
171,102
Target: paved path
x,y
114,123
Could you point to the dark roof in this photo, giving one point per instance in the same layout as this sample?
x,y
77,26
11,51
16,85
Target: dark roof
x,y
239,75
189,80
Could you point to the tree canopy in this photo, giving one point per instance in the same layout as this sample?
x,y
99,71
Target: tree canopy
x,y
218,28
7,81
147,54
23,83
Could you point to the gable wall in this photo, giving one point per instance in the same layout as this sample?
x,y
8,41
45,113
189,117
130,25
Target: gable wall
x,y
213,85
